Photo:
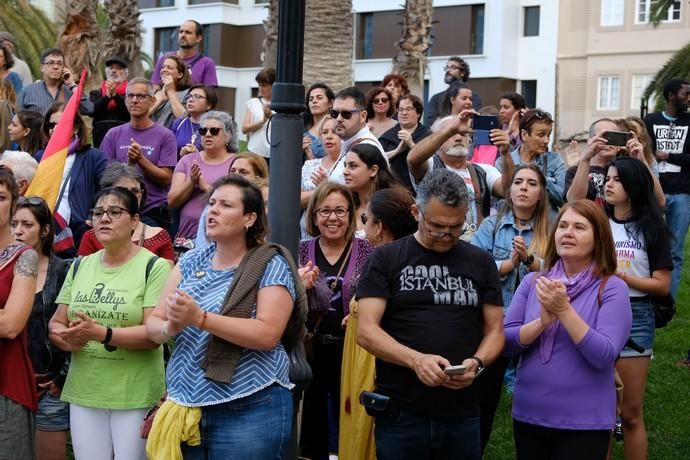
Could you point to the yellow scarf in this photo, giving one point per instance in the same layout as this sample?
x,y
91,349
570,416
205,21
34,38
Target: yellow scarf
x,y
173,425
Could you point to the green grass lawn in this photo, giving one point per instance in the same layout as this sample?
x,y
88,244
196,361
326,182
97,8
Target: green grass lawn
x,y
667,405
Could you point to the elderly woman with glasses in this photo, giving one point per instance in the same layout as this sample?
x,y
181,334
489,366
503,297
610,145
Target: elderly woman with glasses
x,y
339,257
18,273
199,100
155,239
32,224
197,171
116,373
535,132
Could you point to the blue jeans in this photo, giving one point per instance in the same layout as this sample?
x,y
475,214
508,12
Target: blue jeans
x,y
424,438
642,331
678,221
258,427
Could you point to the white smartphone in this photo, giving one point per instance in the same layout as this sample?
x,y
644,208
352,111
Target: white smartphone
x,y
455,370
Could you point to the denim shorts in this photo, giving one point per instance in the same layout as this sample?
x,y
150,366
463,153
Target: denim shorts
x,y
53,414
642,331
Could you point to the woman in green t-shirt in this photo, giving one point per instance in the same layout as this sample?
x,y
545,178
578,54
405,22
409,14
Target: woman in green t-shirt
x,y
116,372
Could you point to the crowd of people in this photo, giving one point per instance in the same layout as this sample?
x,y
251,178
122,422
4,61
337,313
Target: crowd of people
x,y
440,264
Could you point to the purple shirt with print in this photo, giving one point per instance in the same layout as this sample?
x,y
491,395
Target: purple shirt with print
x,y
203,69
157,145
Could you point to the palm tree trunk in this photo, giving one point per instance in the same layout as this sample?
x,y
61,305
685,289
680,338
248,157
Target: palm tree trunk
x,y
125,34
413,45
80,41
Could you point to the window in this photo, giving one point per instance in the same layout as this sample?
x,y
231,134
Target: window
x,y
608,93
477,37
366,36
165,39
643,11
529,92
612,12
639,84
531,18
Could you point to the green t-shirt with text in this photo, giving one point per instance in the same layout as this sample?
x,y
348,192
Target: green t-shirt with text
x,y
114,297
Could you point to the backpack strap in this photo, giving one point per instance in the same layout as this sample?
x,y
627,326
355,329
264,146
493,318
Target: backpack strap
x,y
149,266
602,285
477,192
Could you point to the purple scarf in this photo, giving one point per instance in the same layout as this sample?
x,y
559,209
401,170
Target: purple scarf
x,y
574,287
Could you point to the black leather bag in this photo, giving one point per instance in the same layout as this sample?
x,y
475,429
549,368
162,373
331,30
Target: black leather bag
x,y
378,405
300,370
664,309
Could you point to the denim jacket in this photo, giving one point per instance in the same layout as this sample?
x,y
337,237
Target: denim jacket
x,y
555,174
498,240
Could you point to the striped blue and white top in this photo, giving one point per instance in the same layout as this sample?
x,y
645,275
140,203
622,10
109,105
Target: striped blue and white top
x,y
255,371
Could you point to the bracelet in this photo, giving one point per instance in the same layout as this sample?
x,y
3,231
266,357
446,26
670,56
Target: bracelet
x,y
203,320
108,336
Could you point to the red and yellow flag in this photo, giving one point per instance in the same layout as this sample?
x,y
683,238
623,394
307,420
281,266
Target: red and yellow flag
x,y
48,178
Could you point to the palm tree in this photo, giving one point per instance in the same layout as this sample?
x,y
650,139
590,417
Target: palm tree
x,y
678,66
124,33
327,41
80,40
32,29
414,43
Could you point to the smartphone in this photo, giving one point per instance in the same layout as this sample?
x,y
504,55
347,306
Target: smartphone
x,y
455,370
482,126
619,138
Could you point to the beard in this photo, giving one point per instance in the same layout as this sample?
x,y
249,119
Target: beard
x,y
458,151
448,79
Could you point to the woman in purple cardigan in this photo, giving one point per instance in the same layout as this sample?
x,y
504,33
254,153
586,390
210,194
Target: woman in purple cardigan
x,y
339,257
568,324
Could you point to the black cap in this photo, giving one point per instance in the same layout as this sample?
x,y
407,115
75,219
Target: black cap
x,y
116,60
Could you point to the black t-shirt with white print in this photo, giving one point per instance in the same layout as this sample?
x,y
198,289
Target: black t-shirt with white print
x,y
434,305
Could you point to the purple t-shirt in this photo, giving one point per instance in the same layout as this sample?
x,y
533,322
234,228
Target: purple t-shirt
x,y
184,128
574,389
192,209
203,69
158,146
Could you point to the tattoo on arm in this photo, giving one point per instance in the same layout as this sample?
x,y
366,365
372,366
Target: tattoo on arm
x,y
27,264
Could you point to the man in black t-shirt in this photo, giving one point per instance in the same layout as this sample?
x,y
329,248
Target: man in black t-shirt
x,y
427,302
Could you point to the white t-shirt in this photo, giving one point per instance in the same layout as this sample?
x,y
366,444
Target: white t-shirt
x,y
631,253
256,141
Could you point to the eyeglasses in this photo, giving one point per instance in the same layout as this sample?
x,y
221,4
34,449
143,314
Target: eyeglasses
x,y
381,100
451,67
194,96
439,231
32,200
137,96
113,212
51,124
406,109
326,212
214,131
54,63
347,114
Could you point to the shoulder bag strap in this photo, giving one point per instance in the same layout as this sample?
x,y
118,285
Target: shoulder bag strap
x,y
477,192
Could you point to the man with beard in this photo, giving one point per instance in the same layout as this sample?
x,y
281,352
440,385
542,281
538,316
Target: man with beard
x,y
456,70
109,109
202,69
350,115
671,144
448,147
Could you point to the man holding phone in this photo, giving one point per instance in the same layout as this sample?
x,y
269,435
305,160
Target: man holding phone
x,y
429,303
58,84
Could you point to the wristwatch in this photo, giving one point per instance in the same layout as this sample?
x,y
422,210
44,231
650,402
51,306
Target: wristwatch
x,y
480,365
529,260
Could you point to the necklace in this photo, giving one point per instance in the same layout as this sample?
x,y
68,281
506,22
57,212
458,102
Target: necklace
x,y
521,221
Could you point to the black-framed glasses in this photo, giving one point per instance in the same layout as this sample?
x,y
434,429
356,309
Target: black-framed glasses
x,y
51,124
113,212
347,114
32,200
326,212
137,96
439,231
214,131
54,63
446,68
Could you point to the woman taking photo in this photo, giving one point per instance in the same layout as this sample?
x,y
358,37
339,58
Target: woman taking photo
x,y
366,171
196,171
25,131
199,100
229,368
516,237
340,258
380,111
155,239
319,100
18,272
116,373
644,264
568,323
387,218
169,99
32,224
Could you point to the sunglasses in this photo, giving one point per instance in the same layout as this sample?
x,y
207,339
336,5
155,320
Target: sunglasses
x,y
32,200
346,114
381,100
213,131
539,115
